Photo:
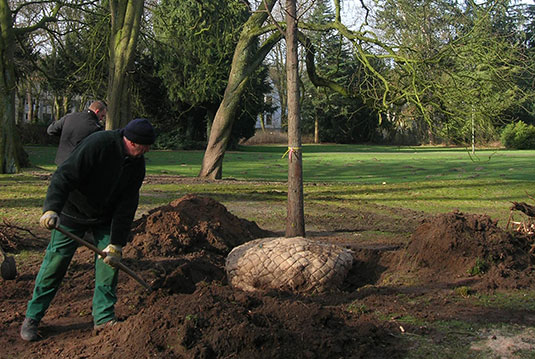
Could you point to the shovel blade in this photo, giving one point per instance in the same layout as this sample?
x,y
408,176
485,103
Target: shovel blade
x,y
8,268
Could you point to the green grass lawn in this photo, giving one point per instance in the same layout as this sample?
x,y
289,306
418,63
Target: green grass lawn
x,y
430,179
357,164
342,163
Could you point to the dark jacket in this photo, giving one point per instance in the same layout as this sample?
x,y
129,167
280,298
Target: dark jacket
x,y
98,184
73,128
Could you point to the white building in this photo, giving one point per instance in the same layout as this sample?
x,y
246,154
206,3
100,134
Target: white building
x,y
272,120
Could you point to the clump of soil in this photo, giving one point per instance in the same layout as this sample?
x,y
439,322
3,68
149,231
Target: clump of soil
x,y
456,245
190,224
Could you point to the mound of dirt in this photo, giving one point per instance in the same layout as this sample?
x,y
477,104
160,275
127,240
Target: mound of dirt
x,y
191,224
186,242
456,245
219,322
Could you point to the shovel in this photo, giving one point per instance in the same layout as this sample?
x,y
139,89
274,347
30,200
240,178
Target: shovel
x,y
120,265
8,268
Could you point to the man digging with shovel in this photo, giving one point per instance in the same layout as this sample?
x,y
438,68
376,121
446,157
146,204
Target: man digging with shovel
x,y
97,189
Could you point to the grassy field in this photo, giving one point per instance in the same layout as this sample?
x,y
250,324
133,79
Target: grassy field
x,y
429,179
342,163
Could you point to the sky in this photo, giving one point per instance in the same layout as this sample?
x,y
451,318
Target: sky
x,y
352,12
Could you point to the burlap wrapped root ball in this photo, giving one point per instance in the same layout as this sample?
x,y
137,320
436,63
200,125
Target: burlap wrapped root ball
x,y
294,264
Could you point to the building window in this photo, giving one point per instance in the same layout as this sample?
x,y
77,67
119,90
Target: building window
x,y
269,119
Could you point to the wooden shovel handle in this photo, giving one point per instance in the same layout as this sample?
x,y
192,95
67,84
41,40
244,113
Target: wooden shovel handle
x,y
120,265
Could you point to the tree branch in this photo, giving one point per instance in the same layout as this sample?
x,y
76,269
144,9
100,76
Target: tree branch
x,y
311,67
41,23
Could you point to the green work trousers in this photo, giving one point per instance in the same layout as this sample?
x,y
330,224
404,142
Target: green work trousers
x,y
58,255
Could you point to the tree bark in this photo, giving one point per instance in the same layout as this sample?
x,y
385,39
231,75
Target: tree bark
x,y
210,115
242,67
29,101
262,122
65,107
295,218
316,130
19,110
125,25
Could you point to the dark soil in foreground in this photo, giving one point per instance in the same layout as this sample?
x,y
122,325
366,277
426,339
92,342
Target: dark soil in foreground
x,y
181,248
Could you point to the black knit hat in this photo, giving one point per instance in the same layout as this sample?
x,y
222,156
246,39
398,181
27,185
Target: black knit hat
x,y
140,131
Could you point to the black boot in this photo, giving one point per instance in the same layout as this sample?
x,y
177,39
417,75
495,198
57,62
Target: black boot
x,y
28,331
108,324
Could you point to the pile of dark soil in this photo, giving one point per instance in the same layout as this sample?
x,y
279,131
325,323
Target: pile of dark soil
x,y
190,224
457,245
219,322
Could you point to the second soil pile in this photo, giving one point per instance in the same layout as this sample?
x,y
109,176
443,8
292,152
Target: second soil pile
x,y
456,245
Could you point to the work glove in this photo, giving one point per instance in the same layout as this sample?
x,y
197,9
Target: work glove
x,y
49,220
114,253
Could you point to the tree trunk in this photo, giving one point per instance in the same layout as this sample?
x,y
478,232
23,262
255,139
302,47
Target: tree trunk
x,y
280,68
19,111
295,218
316,130
125,25
37,109
212,164
82,104
29,101
65,106
12,155
56,109
210,115
262,122
241,69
